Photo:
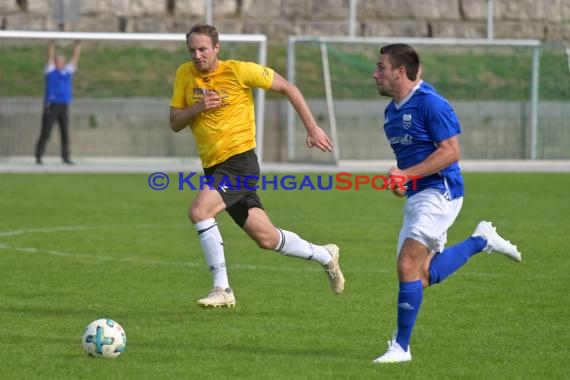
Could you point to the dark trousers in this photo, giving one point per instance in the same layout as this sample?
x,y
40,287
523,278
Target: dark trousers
x,y
52,113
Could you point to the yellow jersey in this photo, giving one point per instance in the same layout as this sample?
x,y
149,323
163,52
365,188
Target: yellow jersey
x,y
222,132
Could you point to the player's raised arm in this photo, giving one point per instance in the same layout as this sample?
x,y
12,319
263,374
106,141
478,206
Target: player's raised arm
x,y
51,52
76,53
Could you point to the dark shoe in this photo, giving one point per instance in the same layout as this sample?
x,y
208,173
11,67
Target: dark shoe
x,y
39,160
68,162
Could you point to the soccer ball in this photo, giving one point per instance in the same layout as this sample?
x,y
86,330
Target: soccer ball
x,y
104,338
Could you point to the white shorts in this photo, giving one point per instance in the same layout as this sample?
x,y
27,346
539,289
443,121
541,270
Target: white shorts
x,y
427,217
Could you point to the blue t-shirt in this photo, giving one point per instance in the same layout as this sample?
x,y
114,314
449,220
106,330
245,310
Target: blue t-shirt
x,y
414,128
59,84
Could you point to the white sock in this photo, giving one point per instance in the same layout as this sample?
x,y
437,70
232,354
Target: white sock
x,y
213,248
291,244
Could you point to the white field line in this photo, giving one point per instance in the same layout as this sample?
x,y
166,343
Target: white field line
x,y
96,257
148,165
46,230
133,260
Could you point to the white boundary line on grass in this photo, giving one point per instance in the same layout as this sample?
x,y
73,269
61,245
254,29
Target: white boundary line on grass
x,y
47,230
34,250
132,260
94,257
26,164
75,255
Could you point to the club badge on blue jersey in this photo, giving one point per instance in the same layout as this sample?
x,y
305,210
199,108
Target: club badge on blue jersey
x,y
407,120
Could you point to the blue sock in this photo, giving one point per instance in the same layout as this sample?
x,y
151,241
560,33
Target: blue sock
x,y
451,259
409,302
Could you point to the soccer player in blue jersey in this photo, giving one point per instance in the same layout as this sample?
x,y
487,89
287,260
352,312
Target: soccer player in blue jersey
x,y
57,97
422,129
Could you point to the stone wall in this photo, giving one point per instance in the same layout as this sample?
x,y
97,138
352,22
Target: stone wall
x,y
139,128
547,20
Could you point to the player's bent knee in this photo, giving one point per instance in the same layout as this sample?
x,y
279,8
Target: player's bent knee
x,y
192,216
406,266
196,214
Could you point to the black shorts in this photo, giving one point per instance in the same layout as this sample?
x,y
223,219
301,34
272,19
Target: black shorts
x,y
236,179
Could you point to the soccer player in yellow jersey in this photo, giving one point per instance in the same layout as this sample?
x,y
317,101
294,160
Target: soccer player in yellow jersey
x,y
214,99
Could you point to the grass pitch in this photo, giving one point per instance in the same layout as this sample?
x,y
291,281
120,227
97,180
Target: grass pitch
x,y
77,247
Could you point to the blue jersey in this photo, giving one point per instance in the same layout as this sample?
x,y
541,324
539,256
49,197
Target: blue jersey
x,y
59,84
414,128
